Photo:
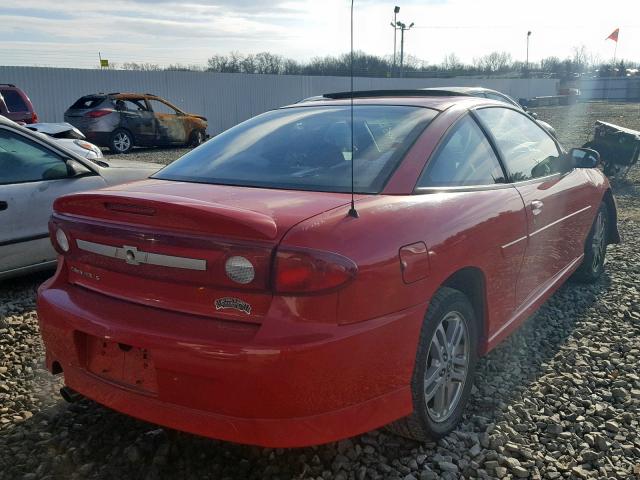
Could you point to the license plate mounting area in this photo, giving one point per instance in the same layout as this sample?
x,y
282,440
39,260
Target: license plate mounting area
x,y
121,363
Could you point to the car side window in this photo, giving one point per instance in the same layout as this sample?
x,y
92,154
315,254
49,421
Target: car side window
x,y
131,106
160,107
464,158
527,150
22,160
499,98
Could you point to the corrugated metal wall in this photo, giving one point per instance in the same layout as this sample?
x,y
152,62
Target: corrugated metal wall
x,y
224,98
618,89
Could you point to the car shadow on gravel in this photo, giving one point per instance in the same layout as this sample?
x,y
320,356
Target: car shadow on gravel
x,y
86,440
24,282
506,372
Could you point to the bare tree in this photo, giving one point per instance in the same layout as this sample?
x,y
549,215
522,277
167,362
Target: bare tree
x,y
269,63
248,64
494,62
217,63
451,62
580,58
371,65
145,67
551,65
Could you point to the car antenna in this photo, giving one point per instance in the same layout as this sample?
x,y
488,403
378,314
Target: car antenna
x,y
352,211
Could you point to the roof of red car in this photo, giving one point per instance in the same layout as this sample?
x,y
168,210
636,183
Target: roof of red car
x,y
435,102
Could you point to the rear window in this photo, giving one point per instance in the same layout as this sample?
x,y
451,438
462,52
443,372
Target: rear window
x,y
307,148
14,101
87,102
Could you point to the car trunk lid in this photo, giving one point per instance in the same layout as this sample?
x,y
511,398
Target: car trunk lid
x,y
167,244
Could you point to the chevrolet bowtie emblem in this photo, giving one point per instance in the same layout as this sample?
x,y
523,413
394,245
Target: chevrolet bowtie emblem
x,y
130,255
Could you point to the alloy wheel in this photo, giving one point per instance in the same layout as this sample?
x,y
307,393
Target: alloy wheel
x,y
447,366
122,142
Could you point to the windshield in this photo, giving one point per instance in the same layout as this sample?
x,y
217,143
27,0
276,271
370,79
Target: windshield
x,y
307,148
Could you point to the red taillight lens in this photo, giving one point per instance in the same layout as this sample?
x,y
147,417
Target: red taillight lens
x,y
98,113
34,117
307,271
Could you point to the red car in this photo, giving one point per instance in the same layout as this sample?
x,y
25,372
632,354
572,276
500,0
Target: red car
x,y
235,295
16,105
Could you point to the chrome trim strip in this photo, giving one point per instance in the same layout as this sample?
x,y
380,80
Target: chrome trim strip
x,y
133,256
546,178
462,188
517,240
535,232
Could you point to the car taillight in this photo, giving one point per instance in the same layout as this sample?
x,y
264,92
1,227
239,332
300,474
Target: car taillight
x,y
308,271
98,113
59,238
34,117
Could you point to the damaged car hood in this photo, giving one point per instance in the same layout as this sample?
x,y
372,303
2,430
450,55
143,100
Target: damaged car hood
x,y
55,128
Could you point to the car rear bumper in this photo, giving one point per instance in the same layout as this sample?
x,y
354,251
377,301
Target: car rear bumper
x,y
280,384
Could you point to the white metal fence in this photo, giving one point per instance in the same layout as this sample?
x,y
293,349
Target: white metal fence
x,y
224,98
619,89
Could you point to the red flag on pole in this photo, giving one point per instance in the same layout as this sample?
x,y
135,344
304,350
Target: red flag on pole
x,y
614,35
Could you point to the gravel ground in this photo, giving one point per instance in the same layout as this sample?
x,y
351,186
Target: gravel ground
x,y
574,124
155,155
558,399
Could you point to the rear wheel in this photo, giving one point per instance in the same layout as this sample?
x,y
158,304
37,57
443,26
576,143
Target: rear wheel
x,y
595,248
444,370
121,141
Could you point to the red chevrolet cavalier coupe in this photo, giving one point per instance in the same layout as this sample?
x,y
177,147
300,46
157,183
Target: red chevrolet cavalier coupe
x,y
233,295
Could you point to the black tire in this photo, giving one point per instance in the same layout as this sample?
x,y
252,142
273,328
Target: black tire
x,y
592,264
196,138
121,141
421,424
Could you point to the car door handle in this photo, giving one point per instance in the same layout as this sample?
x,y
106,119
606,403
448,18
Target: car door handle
x,y
3,205
536,207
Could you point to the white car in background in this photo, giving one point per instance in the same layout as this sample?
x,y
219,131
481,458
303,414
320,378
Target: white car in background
x,y
69,137
34,171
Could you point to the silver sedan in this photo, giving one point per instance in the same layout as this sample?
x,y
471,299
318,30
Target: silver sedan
x,y
34,171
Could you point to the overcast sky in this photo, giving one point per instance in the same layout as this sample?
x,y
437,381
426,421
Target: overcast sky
x,y
70,33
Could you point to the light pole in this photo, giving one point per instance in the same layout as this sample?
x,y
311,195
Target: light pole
x,y
528,35
403,27
396,10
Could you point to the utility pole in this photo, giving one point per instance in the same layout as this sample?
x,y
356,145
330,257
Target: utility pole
x,y
396,10
403,27
528,35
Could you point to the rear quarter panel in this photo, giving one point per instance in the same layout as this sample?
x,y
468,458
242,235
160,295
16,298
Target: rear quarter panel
x,y
461,229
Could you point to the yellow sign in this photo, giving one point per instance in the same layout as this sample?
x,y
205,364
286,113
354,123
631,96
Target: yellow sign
x,y
104,63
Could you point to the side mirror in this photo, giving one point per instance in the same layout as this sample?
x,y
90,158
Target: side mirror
x,y
585,157
76,169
